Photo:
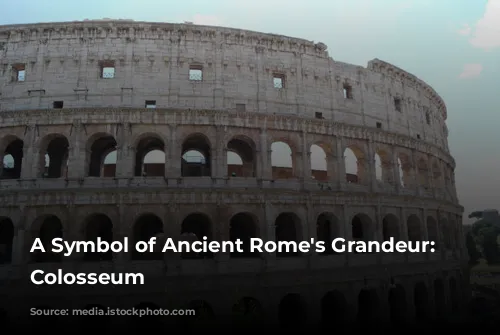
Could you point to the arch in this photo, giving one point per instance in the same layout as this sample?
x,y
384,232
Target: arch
x,y
195,227
368,307
327,229
241,158
423,173
100,146
390,227
292,312
353,160
379,175
404,167
243,226
149,156
282,160
454,296
247,314
383,166
12,157
334,311
6,240
397,305
54,152
439,298
319,162
88,321
287,228
148,322
414,228
196,156
98,226
433,231
145,227
51,227
362,227
421,302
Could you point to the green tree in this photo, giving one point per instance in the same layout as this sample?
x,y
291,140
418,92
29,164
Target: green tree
x,y
485,232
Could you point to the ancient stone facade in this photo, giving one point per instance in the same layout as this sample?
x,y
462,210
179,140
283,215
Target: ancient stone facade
x,y
71,93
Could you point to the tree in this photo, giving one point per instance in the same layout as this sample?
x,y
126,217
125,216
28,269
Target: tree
x,y
474,254
485,232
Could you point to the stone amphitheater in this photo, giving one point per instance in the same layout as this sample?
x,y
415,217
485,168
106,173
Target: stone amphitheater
x,y
99,124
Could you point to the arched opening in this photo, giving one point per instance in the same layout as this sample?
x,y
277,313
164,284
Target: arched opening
x,y
327,230
12,158
432,231
88,322
439,298
454,297
6,240
390,227
423,173
150,157
54,156
196,156
247,314
50,228
334,311
414,230
319,163
101,146
378,168
362,228
368,308
404,167
241,160
243,226
353,160
292,313
148,322
146,227
421,302
98,226
397,305
287,228
109,164
201,321
194,227
282,161
45,321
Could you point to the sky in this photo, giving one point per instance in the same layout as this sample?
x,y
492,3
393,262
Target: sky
x,y
453,45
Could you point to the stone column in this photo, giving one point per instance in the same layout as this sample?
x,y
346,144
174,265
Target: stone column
x,y
173,162
397,174
270,257
266,169
371,167
29,157
341,173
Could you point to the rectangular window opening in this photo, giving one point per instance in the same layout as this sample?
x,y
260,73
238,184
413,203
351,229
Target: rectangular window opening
x,y
19,72
418,136
428,118
240,108
107,69
150,103
278,80
195,73
347,89
58,104
379,125
319,115
397,104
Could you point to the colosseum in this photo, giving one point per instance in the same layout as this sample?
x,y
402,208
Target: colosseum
x,y
118,128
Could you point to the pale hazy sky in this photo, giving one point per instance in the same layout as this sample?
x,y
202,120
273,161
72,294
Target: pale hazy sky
x,y
454,45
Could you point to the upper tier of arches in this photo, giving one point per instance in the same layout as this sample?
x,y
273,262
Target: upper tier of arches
x,y
185,69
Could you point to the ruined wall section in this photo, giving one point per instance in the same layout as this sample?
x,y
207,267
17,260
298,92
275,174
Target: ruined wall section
x,y
152,61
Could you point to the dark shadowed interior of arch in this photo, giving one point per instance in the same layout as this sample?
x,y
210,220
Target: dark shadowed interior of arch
x,y
327,230
148,322
390,227
243,227
50,228
414,230
146,227
98,226
361,227
196,157
98,152
287,227
245,166
57,155
433,232
146,148
202,321
88,321
334,311
454,296
247,313
6,240
194,227
421,302
292,313
368,307
12,160
397,305
439,298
